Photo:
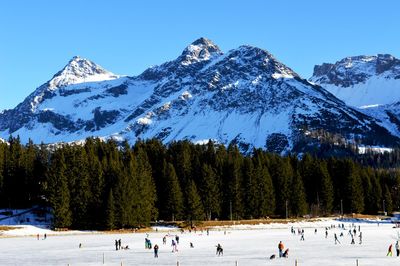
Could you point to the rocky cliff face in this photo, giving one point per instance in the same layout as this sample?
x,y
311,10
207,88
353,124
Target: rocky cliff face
x,y
244,96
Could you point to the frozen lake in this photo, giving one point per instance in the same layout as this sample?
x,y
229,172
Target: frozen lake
x,y
242,244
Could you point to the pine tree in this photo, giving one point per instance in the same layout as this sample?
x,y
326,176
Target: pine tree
x,y
194,210
250,192
210,192
110,212
233,183
265,192
282,174
173,207
80,189
375,198
388,203
326,191
354,189
126,189
298,202
59,197
145,196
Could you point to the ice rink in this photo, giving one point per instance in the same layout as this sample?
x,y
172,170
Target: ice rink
x,y
248,245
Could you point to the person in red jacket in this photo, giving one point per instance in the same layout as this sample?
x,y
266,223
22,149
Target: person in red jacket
x,y
390,251
280,248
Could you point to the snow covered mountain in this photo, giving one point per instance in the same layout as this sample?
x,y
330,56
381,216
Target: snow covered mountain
x,y
244,96
371,83
361,80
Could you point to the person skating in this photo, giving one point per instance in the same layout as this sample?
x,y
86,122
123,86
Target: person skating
x,y
177,239
174,247
116,244
326,233
280,248
360,237
302,236
390,251
155,251
220,250
164,240
119,243
397,246
352,240
336,239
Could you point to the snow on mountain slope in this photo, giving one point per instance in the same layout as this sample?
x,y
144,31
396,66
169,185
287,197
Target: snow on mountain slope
x,y
361,80
79,70
371,83
244,96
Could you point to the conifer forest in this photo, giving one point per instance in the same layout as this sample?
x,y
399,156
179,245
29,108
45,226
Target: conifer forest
x,y
105,185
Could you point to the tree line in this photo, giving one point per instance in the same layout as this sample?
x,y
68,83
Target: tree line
x,y
105,185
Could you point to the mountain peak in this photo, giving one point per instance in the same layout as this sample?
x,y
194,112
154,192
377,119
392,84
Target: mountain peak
x,y
203,41
200,50
79,70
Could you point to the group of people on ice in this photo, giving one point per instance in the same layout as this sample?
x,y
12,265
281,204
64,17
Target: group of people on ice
x,y
281,252
118,245
397,246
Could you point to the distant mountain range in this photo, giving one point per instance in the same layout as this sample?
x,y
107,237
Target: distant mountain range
x,y
369,83
244,96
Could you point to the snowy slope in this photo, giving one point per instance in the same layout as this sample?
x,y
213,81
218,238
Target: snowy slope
x,y
245,96
371,83
361,80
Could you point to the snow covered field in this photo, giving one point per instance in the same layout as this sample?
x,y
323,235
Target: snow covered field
x,y
248,245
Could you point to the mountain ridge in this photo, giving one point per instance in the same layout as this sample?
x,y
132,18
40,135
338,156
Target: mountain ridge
x,y
244,96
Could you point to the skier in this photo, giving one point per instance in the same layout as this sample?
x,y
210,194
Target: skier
x,y
315,231
390,251
280,248
336,239
174,247
191,245
397,248
155,251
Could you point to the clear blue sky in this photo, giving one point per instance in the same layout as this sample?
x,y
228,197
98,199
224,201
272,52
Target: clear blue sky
x,y
37,38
